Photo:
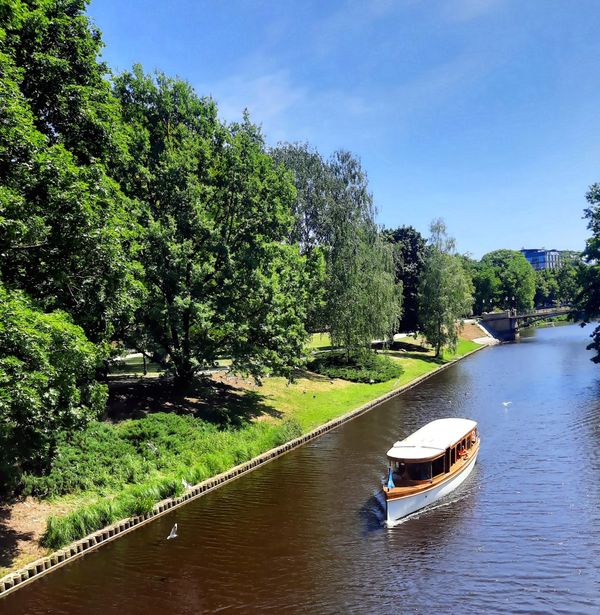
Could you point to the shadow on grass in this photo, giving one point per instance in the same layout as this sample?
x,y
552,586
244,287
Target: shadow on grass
x,y
417,356
313,376
9,537
213,401
400,346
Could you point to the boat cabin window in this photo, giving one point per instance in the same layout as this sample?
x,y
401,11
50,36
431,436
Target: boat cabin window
x,y
437,466
419,471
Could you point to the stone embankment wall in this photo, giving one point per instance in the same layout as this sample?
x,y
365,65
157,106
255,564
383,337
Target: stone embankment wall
x,y
29,573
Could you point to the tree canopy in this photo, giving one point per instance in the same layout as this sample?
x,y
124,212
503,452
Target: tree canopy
x,y
68,236
334,214
222,277
47,383
505,280
409,255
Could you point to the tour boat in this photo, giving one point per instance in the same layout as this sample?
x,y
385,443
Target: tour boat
x,y
428,465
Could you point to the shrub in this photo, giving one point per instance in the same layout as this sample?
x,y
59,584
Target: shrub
x,y
360,366
47,384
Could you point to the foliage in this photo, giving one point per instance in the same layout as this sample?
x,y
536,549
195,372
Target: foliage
x,y
445,291
358,366
409,256
488,288
221,277
67,234
335,214
510,279
589,299
546,288
105,458
567,278
47,384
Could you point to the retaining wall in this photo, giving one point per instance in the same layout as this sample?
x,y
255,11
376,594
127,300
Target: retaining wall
x,y
33,571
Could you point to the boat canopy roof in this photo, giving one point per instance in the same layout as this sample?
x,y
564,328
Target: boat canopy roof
x,y
432,440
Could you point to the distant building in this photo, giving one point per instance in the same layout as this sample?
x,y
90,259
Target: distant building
x,y
541,258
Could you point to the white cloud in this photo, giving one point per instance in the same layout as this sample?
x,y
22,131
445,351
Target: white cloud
x,y
269,97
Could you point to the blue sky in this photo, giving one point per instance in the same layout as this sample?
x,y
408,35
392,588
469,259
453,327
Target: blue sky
x,y
483,112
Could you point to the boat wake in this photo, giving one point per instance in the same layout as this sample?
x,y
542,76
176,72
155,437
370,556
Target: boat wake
x,y
447,501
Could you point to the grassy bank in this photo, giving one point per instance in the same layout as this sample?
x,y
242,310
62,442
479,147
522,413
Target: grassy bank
x,y
314,400
112,471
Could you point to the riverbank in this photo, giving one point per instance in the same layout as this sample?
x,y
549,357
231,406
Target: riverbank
x,y
310,401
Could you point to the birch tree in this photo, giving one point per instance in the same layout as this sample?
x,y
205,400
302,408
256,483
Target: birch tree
x,y
445,291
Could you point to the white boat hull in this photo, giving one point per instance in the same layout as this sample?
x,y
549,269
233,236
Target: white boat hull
x,y
401,507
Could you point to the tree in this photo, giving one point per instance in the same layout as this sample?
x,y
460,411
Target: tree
x,y
313,182
222,277
68,235
47,383
311,227
56,49
589,299
546,288
445,291
488,288
364,300
567,278
517,279
334,215
409,255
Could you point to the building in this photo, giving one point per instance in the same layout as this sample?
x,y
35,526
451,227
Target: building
x,y
540,258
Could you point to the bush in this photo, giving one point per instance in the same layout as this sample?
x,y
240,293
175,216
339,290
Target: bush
x,y
361,366
47,384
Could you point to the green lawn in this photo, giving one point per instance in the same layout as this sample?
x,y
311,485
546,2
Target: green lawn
x,y
315,400
319,341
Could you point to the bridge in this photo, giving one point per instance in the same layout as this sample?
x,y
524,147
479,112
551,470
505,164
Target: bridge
x,y
505,325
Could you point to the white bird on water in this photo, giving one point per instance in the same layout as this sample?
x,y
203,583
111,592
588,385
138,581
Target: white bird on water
x,y
506,404
173,533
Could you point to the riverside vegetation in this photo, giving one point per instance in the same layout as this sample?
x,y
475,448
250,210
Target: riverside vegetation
x,y
108,472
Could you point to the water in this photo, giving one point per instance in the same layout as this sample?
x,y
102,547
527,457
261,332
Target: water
x,y
305,534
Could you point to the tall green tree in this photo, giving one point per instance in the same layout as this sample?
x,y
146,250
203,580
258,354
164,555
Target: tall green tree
x,y
222,275
68,235
488,287
445,291
334,214
547,289
589,299
567,278
409,256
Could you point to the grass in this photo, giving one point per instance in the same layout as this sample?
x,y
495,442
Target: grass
x,y
314,400
319,341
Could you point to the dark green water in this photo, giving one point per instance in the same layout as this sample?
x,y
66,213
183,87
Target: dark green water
x,y
305,534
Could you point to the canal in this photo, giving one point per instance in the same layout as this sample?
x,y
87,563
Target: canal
x,y
304,534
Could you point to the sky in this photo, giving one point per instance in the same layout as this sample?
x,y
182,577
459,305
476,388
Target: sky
x,y
485,113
